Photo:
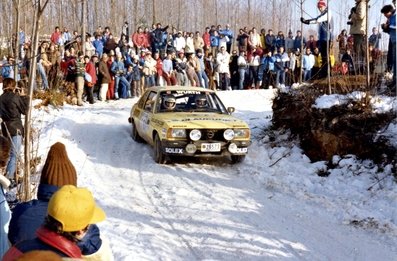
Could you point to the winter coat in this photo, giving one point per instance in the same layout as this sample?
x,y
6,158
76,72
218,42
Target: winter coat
x,y
91,70
27,217
46,240
223,60
139,40
12,106
5,215
358,19
282,60
103,73
308,61
98,44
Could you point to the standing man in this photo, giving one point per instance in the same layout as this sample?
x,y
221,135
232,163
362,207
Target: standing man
x,y
223,60
390,27
358,21
13,103
374,38
325,34
80,72
229,33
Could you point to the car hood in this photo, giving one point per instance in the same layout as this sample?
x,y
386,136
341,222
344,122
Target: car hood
x,y
202,120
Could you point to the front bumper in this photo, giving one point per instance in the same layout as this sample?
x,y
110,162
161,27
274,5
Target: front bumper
x,y
178,148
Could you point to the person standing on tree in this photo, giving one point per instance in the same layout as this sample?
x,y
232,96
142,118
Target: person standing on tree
x,y
358,21
325,34
13,103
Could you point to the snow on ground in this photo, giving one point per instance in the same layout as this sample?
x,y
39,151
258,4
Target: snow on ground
x,y
273,206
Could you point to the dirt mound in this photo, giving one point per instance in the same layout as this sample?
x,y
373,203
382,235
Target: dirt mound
x,y
350,128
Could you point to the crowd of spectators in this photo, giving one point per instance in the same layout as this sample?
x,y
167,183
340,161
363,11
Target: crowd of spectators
x,y
122,67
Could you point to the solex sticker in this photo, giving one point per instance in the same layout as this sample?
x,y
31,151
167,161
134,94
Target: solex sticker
x,y
174,150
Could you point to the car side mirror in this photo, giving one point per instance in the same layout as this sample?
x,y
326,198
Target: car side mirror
x,y
230,109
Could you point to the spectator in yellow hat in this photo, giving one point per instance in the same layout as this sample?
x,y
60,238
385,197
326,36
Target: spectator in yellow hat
x,y
70,213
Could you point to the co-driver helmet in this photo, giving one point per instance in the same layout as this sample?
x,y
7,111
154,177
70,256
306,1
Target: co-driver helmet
x,y
201,101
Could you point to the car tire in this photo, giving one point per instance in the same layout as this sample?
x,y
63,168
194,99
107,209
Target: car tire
x,y
159,155
237,158
134,133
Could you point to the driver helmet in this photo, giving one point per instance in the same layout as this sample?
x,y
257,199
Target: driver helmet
x,y
201,101
169,102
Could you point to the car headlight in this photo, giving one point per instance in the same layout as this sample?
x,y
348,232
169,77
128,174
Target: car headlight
x,y
228,134
241,133
195,135
177,133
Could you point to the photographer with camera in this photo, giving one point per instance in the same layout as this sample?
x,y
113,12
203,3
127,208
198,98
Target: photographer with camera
x,y
325,22
358,21
13,103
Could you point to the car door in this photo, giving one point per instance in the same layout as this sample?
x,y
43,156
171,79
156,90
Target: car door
x,y
146,115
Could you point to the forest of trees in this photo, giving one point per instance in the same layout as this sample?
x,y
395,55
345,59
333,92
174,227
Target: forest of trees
x,y
189,15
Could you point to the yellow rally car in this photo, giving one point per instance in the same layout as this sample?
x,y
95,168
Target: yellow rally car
x,y
188,121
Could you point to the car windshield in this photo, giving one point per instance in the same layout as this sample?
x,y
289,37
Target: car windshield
x,y
189,101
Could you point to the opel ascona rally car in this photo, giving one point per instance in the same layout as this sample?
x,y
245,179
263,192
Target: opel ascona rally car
x,y
188,121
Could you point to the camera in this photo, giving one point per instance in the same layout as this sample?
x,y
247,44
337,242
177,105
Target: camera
x,y
352,11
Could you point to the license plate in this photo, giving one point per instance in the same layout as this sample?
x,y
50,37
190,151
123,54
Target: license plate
x,y
210,147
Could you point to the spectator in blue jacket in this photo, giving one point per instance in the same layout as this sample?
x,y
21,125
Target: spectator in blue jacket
x,y
118,69
214,39
5,213
27,217
281,66
229,33
98,44
266,70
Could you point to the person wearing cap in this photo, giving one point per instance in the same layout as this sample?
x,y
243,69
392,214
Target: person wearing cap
x,y
325,34
5,213
70,214
27,217
12,105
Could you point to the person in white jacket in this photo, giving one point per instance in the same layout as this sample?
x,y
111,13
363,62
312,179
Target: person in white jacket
x,y
308,63
223,59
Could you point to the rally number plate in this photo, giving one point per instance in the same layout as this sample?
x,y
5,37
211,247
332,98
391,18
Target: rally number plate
x,y
210,147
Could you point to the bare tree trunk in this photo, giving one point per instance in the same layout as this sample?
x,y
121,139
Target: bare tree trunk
x,y
84,24
301,51
366,44
39,8
328,51
154,11
17,4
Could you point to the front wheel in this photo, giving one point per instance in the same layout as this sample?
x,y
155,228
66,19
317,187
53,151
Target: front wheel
x,y
159,155
237,158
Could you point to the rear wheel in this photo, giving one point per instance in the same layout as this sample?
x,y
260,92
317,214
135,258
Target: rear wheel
x,y
134,133
159,155
237,158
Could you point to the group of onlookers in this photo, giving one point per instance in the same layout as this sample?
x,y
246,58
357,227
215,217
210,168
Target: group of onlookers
x,y
218,58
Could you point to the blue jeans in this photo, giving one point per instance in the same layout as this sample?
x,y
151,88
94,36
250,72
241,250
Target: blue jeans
x,y
16,143
5,216
149,81
203,77
43,75
280,77
116,84
241,73
307,74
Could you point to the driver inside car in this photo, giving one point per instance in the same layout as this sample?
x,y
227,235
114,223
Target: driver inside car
x,y
169,102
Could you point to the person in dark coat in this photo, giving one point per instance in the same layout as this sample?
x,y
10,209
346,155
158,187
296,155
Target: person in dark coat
x,y
13,103
27,217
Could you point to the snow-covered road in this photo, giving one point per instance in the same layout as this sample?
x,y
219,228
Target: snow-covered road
x,y
206,210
